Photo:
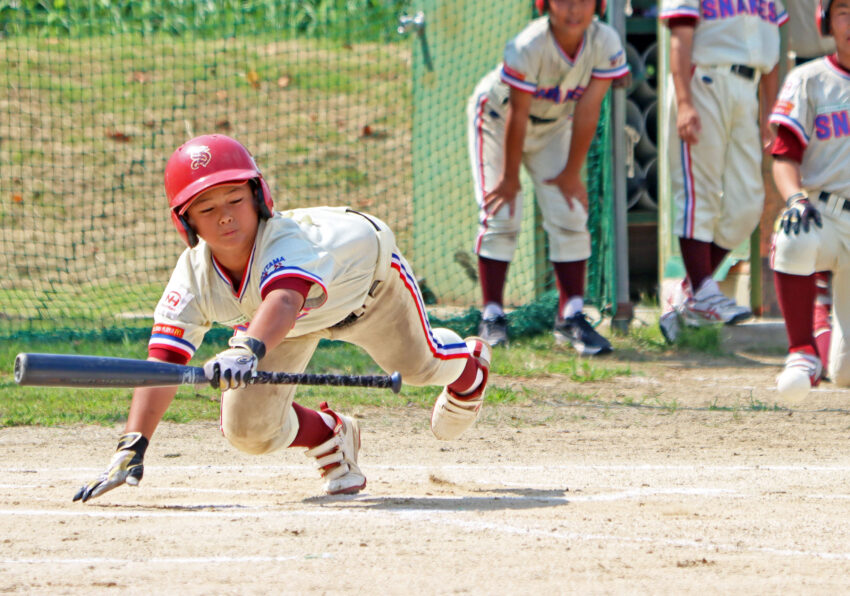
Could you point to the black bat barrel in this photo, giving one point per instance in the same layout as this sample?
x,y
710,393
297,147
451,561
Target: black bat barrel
x,y
66,370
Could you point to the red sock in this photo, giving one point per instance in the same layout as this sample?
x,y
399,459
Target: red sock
x,y
823,304
717,256
312,430
796,295
466,379
696,256
493,274
569,275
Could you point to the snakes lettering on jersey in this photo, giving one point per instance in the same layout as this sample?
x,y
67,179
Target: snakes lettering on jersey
x,y
832,125
724,9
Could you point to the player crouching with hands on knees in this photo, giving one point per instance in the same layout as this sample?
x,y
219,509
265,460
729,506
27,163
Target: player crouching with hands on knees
x,y
285,281
540,109
810,168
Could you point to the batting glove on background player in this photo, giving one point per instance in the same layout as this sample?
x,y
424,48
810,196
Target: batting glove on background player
x,y
236,366
799,213
126,466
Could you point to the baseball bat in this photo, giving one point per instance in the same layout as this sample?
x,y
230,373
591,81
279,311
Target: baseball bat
x,y
64,370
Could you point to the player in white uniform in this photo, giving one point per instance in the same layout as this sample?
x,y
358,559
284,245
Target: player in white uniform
x,y
723,55
805,43
540,108
811,153
284,281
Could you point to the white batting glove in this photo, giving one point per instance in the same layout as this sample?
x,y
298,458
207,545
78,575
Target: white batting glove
x,y
235,366
126,466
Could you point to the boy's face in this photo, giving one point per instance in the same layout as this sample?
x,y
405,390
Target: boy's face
x,y
226,218
574,16
839,25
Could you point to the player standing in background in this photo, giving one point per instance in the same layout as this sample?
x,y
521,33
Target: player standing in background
x,y
540,109
723,58
810,168
805,43
284,281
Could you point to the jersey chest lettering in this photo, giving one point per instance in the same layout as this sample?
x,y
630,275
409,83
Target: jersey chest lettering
x,y
554,94
833,125
723,9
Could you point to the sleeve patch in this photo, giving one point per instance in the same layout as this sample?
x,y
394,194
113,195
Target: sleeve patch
x,y
783,107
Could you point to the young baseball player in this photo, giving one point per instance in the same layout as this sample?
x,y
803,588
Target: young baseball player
x,y
723,57
811,152
805,43
540,108
284,281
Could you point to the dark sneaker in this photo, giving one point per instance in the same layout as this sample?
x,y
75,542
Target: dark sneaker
x,y
494,331
577,331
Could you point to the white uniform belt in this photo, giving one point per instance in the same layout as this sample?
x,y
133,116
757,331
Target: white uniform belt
x,y
386,243
835,204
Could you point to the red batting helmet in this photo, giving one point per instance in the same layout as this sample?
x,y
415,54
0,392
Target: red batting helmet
x,y
205,162
543,5
822,17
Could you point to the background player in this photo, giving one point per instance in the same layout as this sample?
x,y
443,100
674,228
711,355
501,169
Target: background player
x,y
811,154
285,281
723,56
540,108
805,43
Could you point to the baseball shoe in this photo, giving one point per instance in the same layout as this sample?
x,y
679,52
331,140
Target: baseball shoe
x,y
709,305
670,325
453,413
337,457
802,372
577,331
494,331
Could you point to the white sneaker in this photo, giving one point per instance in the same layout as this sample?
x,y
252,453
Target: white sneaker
x,y
709,305
670,325
337,457
453,413
802,372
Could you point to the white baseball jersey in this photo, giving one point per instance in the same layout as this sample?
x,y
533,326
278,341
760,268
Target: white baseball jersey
x,y
814,104
804,39
335,250
536,64
732,31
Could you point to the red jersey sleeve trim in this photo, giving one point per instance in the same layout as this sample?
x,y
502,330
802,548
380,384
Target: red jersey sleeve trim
x,y
298,284
167,355
787,145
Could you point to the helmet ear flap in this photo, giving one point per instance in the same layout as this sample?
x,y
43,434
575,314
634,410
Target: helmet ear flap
x,y
189,235
822,18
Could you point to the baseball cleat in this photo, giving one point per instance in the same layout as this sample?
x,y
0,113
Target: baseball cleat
x,y
453,413
709,305
337,457
802,372
670,326
578,332
494,331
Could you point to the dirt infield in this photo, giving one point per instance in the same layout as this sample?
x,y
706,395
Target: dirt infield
x,y
680,478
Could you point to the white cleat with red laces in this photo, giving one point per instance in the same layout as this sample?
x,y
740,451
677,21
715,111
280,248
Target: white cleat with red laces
x,y
453,413
337,457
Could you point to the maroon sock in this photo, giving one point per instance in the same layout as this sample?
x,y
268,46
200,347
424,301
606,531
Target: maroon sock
x,y
696,256
796,295
717,256
312,430
467,377
569,275
493,274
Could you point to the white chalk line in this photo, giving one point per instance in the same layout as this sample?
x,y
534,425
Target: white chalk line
x,y
489,467
390,517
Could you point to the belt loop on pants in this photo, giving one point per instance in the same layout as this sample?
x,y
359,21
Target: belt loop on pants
x,y
835,204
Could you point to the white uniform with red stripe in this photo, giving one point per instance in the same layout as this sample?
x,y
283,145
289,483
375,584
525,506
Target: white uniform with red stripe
x,y
814,104
535,63
716,183
343,254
